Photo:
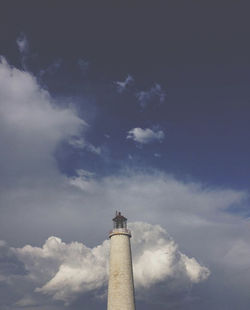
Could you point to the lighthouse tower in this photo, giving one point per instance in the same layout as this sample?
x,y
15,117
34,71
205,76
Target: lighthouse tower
x,y
121,283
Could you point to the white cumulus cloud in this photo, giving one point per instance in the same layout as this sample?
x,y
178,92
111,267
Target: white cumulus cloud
x,y
157,258
65,271
145,136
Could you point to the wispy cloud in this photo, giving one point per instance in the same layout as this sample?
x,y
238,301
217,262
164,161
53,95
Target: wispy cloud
x,y
51,69
83,180
94,149
145,136
22,43
23,47
122,86
81,143
154,94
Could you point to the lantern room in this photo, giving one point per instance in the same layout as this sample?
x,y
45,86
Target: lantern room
x,y
119,221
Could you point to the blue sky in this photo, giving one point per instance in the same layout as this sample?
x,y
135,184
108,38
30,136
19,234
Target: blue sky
x,y
142,109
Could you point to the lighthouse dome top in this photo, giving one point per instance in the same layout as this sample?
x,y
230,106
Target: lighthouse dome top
x,y
119,225
119,220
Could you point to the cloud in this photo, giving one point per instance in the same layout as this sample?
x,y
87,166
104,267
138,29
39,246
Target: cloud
x,y
154,94
23,47
2,243
51,69
191,211
23,44
83,180
66,271
145,136
238,254
80,143
31,123
93,149
123,86
10,265
157,258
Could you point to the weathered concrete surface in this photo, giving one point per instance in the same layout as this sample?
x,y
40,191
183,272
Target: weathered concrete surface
x,y
121,284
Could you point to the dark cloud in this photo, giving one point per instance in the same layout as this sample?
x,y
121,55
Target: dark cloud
x,y
10,264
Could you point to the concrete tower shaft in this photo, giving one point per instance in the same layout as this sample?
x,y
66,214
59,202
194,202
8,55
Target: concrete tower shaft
x,y
121,284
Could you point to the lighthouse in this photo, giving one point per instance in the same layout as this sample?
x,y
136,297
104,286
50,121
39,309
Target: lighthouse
x,y
121,283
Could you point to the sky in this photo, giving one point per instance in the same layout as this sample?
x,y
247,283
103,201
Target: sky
x,y
137,107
